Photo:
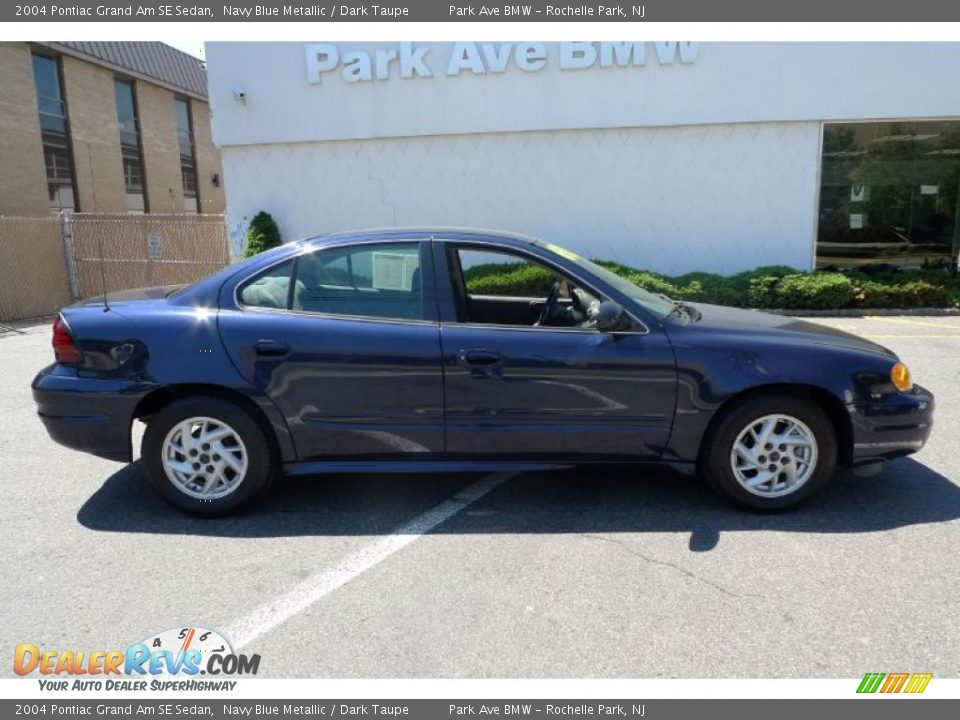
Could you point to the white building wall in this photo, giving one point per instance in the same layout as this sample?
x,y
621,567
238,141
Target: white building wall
x,y
704,161
722,82
722,198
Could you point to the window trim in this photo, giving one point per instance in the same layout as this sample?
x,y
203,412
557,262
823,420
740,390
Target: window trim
x,y
450,246
819,175
135,97
68,131
193,152
427,284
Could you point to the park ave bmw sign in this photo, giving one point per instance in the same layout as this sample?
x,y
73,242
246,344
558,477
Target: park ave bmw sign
x,y
407,60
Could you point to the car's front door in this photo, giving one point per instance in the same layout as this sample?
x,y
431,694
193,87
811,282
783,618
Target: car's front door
x,y
517,389
345,341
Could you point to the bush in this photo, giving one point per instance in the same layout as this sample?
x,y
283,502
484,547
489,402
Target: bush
x,y
262,234
812,291
774,286
913,293
508,279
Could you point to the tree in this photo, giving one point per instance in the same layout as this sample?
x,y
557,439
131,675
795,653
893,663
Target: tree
x,y
262,234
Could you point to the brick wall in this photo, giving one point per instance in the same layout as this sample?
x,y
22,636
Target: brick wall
x,y
98,167
23,180
208,160
161,155
92,113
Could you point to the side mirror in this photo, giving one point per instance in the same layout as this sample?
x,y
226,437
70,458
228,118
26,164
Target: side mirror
x,y
611,318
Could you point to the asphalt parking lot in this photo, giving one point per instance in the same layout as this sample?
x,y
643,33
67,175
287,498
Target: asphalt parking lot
x,y
574,574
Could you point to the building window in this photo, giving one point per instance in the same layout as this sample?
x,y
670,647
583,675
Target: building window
x,y
54,133
889,194
128,124
188,162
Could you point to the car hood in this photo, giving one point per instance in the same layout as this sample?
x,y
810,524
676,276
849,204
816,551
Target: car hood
x,y
723,319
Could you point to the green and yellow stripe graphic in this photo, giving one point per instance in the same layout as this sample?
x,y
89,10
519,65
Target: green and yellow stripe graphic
x,y
894,682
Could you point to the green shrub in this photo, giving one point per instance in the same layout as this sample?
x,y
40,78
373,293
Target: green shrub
x,y
810,291
914,293
262,234
773,286
660,284
508,279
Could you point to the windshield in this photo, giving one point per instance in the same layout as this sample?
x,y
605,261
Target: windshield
x,y
659,305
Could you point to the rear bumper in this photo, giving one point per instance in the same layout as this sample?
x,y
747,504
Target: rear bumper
x,y
893,426
88,414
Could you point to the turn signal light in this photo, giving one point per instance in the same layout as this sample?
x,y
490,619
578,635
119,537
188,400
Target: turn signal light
x,y
900,377
64,347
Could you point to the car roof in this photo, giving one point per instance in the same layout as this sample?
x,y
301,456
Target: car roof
x,y
458,233
209,287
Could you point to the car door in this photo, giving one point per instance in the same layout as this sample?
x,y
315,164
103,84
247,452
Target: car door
x,y
519,390
344,340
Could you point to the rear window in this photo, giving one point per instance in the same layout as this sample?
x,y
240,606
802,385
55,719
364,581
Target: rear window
x,y
376,281
269,289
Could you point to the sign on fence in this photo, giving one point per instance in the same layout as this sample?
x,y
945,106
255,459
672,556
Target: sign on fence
x,y
155,247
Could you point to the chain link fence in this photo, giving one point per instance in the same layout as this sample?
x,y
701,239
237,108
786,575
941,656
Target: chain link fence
x,y
33,275
46,263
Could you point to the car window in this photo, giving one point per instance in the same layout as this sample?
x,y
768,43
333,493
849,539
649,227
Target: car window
x,y
494,273
659,305
503,288
269,289
376,280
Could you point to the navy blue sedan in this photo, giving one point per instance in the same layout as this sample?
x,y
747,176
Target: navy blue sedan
x,y
452,350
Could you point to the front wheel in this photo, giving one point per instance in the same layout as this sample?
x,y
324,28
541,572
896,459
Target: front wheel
x,y
770,453
206,455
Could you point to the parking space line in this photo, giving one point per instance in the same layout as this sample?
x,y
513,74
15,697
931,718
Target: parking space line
x,y
911,336
291,603
918,323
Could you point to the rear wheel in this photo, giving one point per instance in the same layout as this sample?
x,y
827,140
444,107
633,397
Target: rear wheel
x,y
771,452
206,455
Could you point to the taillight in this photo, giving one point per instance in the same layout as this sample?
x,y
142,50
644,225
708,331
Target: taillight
x,y
64,347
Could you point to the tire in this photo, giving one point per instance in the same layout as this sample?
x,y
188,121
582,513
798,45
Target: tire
x,y
172,472
799,470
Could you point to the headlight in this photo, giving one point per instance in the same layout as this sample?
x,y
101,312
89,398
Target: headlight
x,y
900,377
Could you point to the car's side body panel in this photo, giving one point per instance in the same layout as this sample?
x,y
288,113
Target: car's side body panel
x,y
347,387
549,392
557,394
717,361
131,350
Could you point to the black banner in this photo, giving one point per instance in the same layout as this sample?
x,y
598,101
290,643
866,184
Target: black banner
x,y
469,11
853,709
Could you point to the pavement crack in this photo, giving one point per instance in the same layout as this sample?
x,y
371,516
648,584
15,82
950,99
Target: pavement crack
x,y
664,563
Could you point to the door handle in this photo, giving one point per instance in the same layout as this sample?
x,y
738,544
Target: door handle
x,y
478,357
271,348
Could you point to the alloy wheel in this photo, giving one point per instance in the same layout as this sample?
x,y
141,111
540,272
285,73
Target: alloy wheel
x,y
774,456
204,458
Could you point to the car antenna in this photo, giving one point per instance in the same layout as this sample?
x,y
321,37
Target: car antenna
x,y
103,274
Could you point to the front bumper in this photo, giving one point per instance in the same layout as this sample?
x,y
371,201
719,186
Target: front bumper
x,y
892,426
88,414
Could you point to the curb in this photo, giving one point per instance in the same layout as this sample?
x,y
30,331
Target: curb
x,y
17,327
867,312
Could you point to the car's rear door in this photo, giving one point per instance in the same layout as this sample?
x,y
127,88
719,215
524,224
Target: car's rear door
x,y
344,339
518,390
